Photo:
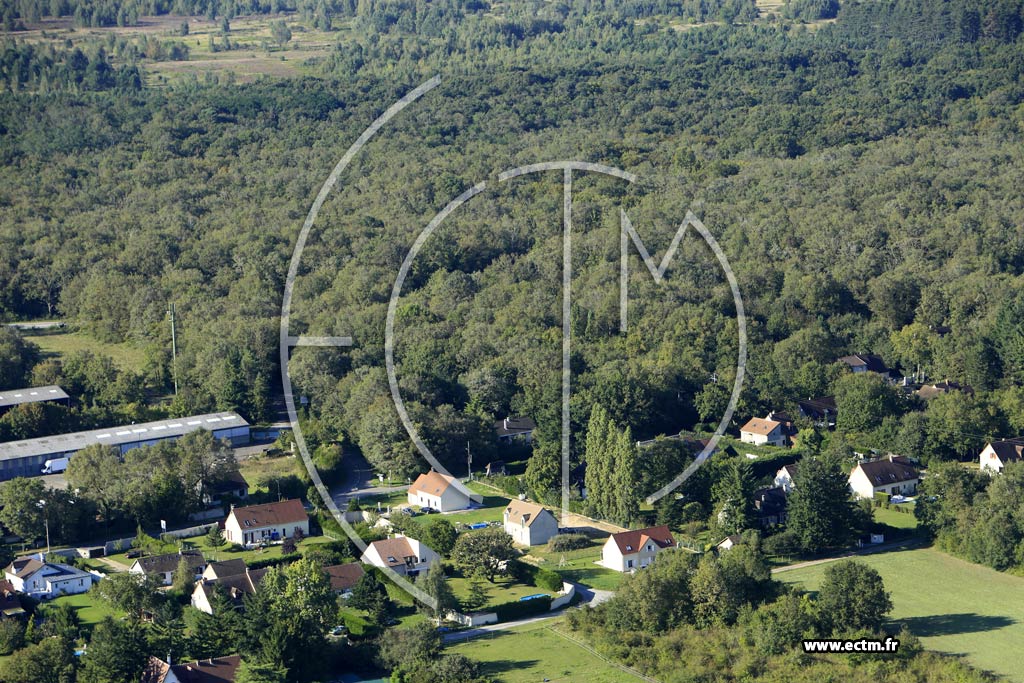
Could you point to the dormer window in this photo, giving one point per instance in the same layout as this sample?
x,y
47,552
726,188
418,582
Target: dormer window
x,y
629,547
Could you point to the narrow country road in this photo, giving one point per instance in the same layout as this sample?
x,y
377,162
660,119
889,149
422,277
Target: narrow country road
x,y
871,550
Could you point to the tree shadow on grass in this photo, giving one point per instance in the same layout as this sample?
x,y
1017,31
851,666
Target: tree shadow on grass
x,y
504,665
951,624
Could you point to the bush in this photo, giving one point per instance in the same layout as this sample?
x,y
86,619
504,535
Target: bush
x,y
548,580
520,609
566,542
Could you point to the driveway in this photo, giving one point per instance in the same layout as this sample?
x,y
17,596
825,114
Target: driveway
x,y
870,550
359,478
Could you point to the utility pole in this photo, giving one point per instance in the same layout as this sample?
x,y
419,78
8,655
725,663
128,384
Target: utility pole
x,y
174,350
469,462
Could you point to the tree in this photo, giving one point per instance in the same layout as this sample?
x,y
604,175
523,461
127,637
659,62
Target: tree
x,y
778,627
852,597
308,593
17,356
117,653
407,649
440,535
863,400
255,672
183,577
434,584
734,496
96,472
215,536
371,595
52,660
820,514
488,552
12,636
280,32
22,512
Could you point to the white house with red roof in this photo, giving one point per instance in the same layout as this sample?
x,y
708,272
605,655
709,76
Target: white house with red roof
x,y
763,432
628,551
403,554
264,523
440,492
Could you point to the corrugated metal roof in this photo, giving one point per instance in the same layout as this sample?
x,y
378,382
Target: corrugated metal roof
x,y
119,436
15,397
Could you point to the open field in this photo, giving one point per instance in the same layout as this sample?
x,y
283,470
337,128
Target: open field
x,y
532,653
258,471
253,53
57,344
953,606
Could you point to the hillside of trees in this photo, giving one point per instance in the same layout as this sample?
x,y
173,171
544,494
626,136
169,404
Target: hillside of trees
x,y
862,177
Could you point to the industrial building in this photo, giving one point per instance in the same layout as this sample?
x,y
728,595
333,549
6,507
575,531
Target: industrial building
x,y
11,398
25,458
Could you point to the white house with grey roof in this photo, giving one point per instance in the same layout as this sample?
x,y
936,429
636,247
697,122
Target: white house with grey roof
x,y
893,476
529,523
40,579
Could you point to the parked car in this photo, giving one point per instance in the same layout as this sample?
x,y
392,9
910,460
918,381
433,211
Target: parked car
x,y
428,510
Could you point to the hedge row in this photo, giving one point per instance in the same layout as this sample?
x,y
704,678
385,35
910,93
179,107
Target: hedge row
x,y
520,609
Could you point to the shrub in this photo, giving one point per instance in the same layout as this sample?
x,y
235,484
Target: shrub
x,y
520,609
566,542
274,561
548,580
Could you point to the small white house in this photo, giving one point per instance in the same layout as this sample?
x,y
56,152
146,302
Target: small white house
x,y
39,579
784,477
440,492
998,454
529,523
628,551
763,432
164,566
263,523
404,555
894,476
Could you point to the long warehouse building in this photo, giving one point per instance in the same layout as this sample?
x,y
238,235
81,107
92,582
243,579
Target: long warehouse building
x,y
25,458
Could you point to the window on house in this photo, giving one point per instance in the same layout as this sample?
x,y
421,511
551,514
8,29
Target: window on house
x,y
629,564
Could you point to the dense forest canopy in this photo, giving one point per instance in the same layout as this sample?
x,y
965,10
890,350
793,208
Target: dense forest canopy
x,y
862,176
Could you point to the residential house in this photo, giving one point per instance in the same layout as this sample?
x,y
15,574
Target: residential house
x,y
894,475
784,477
763,432
440,492
235,588
628,551
223,569
39,579
529,523
997,454
231,486
865,362
216,670
265,523
513,429
770,504
404,555
729,542
164,566
821,410
930,391
344,577
10,603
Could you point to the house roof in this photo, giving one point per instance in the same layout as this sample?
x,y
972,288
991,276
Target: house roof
x,y
13,397
24,567
760,426
159,564
770,501
521,512
886,471
120,436
216,670
227,568
229,481
10,604
433,483
1010,450
867,361
789,469
237,585
344,576
510,426
270,514
393,551
929,391
630,542
818,407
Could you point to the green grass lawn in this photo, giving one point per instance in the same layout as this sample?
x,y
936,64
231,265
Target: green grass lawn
x,y
899,520
578,566
530,654
257,471
89,609
504,589
58,344
954,606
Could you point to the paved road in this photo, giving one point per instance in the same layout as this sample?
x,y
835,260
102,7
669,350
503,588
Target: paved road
x,y
359,481
39,325
870,550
